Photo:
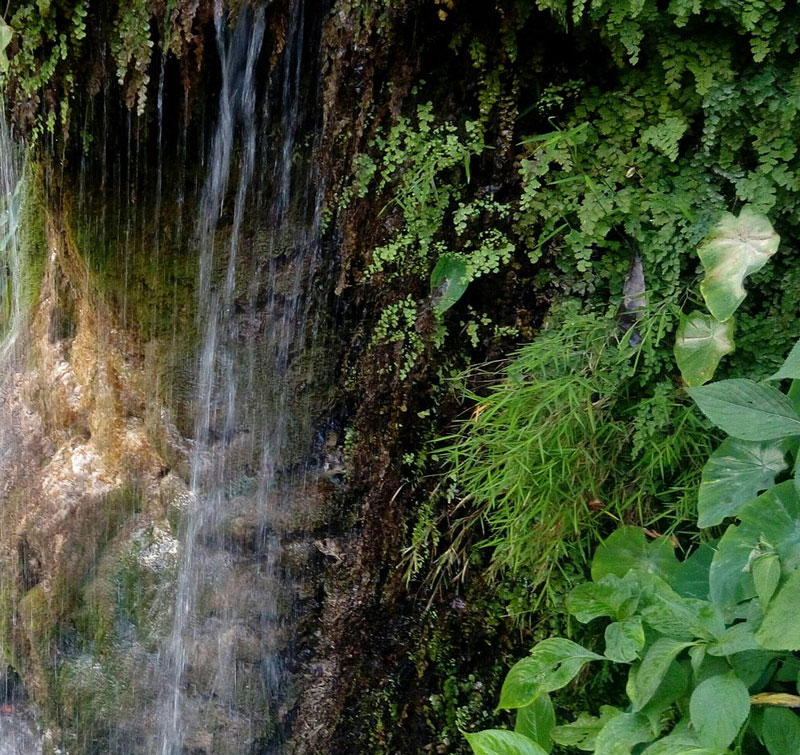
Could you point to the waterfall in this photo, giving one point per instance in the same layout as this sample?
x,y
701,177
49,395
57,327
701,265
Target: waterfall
x,y
253,308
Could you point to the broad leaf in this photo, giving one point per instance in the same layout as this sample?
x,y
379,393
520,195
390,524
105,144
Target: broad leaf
x,y
718,708
5,38
501,742
747,410
622,733
766,570
753,665
791,367
735,474
691,577
624,640
583,732
684,618
781,629
680,741
770,518
537,720
736,248
611,596
645,678
735,639
552,664
701,341
781,731
449,281
627,548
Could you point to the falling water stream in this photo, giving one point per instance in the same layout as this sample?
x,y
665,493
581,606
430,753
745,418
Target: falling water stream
x,y
244,391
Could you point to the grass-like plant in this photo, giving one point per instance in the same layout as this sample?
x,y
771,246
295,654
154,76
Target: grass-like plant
x,y
559,446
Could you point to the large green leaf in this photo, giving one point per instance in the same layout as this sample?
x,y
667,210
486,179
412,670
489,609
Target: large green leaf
x,y
701,341
691,577
583,732
791,367
552,664
645,678
736,248
683,618
624,640
501,742
770,518
766,571
537,720
735,474
627,548
735,639
5,38
449,281
781,731
747,410
781,629
611,596
622,733
718,708
680,741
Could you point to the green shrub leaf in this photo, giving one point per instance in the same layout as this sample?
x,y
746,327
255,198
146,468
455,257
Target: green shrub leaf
x,y
611,596
735,639
736,248
622,733
537,720
718,708
747,410
583,732
680,741
624,640
781,731
770,518
552,664
501,742
645,678
791,367
735,474
449,281
700,343
627,549
781,629
6,33
766,570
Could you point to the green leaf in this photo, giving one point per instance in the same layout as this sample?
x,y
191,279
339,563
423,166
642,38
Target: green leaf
x,y
501,742
736,248
552,664
766,570
680,741
734,474
691,577
537,720
624,640
700,343
685,618
718,708
6,33
583,732
781,629
610,596
747,410
627,548
791,367
769,518
449,281
735,639
622,733
781,731
645,678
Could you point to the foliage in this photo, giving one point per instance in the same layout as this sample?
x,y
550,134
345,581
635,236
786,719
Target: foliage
x,y
735,248
564,442
710,640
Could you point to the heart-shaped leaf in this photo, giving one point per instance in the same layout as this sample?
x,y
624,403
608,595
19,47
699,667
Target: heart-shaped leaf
x,y
627,548
735,474
701,341
501,742
736,248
